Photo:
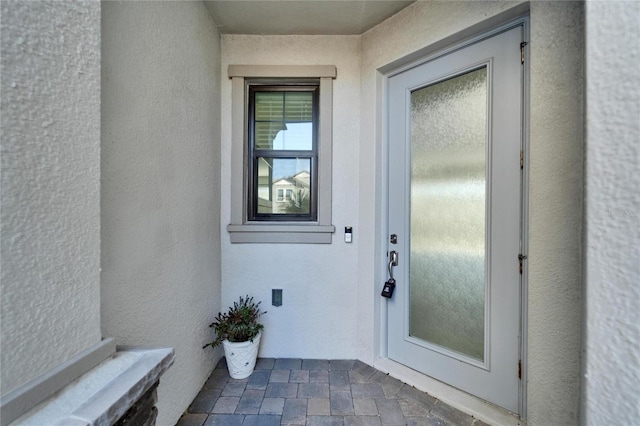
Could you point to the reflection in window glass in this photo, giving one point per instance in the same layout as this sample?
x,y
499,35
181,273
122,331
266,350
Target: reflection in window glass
x,y
283,121
284,185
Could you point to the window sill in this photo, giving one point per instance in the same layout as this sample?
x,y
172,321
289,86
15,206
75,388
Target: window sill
x,y
281,233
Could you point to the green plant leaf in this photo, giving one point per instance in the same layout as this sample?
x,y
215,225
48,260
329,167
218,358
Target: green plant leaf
x,y
239,323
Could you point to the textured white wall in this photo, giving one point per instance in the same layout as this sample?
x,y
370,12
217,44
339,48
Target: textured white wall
x,y
160,186
556,183
612,365
50,177
555,222
318,317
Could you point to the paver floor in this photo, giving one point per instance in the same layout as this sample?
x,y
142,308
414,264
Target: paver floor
x,y
316,392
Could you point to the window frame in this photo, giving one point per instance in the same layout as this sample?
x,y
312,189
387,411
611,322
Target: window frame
x,y
254,86
243,230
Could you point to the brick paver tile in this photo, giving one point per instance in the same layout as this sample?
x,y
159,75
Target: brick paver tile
x,y
425,421
367,390
204,401
325,421
224,420
262,420
233,389
319,376
245,380
282,390
362,421
355,377
338,378
409,392
288,364
318,407
218,379
280,376
363,369
390,386
341,403
272,406
313,390
412,409
341,364
259,379
365,407
315,364
299,376
226,405
294,412
250,402
390,412
192,419
265,363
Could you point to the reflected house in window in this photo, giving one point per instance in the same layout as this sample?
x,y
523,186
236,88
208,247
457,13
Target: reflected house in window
x,y
291,194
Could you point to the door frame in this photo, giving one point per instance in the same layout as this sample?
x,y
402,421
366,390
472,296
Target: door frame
x,y
440,48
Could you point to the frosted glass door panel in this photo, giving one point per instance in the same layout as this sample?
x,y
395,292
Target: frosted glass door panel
x,y
448,205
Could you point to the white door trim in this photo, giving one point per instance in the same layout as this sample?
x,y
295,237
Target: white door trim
x,y
454,397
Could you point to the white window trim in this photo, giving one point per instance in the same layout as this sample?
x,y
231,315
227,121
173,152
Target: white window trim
x,y
240,229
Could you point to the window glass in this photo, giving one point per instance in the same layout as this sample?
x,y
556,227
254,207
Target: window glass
x,y
284,186
283,120
283,153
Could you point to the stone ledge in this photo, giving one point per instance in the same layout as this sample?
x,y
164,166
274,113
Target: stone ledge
x,y
21,400
106,393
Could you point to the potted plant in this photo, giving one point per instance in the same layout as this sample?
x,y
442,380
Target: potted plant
x,y
239,332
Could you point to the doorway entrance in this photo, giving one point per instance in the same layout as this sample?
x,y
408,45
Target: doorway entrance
x,y
455,217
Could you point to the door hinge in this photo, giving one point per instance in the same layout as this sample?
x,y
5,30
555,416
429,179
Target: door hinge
x,y
521,159
521,257
522,46
519,369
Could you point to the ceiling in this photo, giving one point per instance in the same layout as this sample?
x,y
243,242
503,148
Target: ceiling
x,y
302,17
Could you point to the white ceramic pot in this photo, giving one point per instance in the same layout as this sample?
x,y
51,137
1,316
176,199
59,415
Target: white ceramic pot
x,y
241,357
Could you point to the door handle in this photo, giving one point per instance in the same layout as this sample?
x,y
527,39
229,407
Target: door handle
x,y
393,261
393,258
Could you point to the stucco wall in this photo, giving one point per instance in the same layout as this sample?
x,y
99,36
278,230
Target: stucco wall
x,y
160,186
50,177
556,155
612,365
555,222
318,317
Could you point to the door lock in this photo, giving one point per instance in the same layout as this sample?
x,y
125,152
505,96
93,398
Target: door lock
x,y
390,285
387,290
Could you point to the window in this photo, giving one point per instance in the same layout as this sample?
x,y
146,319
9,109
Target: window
x,y
282,151
281,154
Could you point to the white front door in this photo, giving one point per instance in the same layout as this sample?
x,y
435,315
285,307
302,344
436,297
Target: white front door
x,y
455,134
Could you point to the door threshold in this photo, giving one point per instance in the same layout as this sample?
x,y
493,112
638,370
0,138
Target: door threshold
x,y
469,404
